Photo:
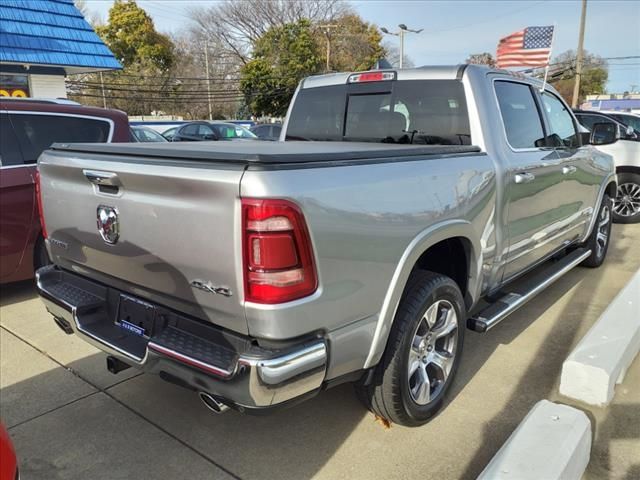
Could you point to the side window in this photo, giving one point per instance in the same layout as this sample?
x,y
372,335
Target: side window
x,y
9,149
37,132
562,131
204,131
519,115
191,130
589,121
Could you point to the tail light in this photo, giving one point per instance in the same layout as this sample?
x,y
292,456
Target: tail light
x,y
277,252
43,226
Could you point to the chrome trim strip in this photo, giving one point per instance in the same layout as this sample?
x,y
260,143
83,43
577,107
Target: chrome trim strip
x,y
518,301
191,361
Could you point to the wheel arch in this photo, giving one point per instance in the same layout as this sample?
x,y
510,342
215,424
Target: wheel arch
x,y
628,169
455,236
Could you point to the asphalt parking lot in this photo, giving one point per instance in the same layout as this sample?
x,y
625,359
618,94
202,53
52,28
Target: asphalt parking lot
x,y
72,419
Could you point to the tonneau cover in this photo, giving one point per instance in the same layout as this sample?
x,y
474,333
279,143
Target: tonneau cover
x,y
258,152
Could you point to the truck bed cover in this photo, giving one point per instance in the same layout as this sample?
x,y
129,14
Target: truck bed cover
x,y
267,153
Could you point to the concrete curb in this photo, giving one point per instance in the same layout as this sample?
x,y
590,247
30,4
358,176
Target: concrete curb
x,y
602,357
552,442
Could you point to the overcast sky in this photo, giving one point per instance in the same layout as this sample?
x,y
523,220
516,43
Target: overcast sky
x,y
454,29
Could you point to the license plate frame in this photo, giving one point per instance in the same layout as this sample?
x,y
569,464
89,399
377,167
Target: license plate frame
x,y
136,316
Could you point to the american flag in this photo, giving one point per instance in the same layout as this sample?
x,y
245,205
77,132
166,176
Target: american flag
x,y
530,47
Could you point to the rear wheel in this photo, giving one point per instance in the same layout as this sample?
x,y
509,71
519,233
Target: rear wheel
x,y
626,206
422,355
598,241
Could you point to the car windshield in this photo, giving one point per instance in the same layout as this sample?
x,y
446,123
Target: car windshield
x,y
629,120
147,135
231,130
431,112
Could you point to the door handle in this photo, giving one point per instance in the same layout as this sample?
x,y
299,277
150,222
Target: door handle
x,y
524,177
102,178
568,170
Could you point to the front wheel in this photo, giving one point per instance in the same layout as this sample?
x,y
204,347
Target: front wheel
x,y
626,206
598,241
422,355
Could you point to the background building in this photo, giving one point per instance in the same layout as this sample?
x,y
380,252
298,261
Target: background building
x,y
629,102
41,42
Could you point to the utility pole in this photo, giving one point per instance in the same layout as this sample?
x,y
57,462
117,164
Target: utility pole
x,y
206,64
104,98
576,85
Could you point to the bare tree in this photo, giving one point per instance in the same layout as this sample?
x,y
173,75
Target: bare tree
x,y
481,59
393,55
238,24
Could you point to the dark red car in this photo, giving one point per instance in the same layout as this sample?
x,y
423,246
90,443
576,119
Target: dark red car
x,y
8,461
27,127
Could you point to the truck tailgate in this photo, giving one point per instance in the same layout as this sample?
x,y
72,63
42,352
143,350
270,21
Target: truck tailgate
x,y
178,240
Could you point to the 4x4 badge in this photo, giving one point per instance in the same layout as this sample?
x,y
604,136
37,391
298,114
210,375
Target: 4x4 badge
x,y
108,225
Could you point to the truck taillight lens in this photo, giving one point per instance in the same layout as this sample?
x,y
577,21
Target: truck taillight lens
x,y
277,252
39,202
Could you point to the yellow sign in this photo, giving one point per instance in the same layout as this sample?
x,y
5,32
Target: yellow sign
x,y
16,93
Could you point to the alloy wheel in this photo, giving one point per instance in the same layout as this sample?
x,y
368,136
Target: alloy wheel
x,y
602,237
627,202
432,352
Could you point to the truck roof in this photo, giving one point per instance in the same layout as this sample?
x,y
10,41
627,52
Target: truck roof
x,y
267,153
427,72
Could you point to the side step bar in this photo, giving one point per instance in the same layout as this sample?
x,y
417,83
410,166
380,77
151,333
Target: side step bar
x,y
491,316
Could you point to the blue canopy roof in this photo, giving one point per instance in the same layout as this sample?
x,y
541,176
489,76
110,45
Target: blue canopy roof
x,y
52,33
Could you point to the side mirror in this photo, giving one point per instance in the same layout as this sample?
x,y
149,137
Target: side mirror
x,y
604,134
209,136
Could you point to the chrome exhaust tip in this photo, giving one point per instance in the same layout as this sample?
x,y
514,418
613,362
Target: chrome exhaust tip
x,y
212,403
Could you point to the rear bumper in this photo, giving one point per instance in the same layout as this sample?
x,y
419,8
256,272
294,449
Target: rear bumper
x,y
182,350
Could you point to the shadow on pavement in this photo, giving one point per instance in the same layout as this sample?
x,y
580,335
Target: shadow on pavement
x,y
292,443
17,292
544,371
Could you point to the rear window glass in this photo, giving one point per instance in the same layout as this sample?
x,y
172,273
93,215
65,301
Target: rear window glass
x,y
432,112
37,132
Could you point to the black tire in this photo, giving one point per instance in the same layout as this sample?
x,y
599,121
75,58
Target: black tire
x,y
626,208
40,255
600,237
391,394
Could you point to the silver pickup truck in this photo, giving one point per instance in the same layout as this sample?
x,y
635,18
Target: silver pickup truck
x,y
399,210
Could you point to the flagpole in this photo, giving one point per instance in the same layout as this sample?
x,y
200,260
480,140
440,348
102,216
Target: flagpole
x,y
546,70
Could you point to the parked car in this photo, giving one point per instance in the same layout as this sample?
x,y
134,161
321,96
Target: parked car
x,y
8,460
203,130
169,133
146,134
267,131
628,118
27,127
260,273
626,154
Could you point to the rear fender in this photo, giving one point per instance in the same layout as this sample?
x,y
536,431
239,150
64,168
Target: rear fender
x,y
420,244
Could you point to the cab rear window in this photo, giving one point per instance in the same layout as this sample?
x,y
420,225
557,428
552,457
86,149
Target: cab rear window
x,y
431,112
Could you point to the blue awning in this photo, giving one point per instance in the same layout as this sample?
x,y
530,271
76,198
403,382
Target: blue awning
x,y
51,33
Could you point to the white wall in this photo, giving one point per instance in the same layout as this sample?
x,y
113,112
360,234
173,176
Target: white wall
x,y
47,86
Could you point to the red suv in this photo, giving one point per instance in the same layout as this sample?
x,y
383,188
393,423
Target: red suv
x,y
27,127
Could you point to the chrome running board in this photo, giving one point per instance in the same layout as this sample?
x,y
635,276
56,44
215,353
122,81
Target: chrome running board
x,y
491,316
